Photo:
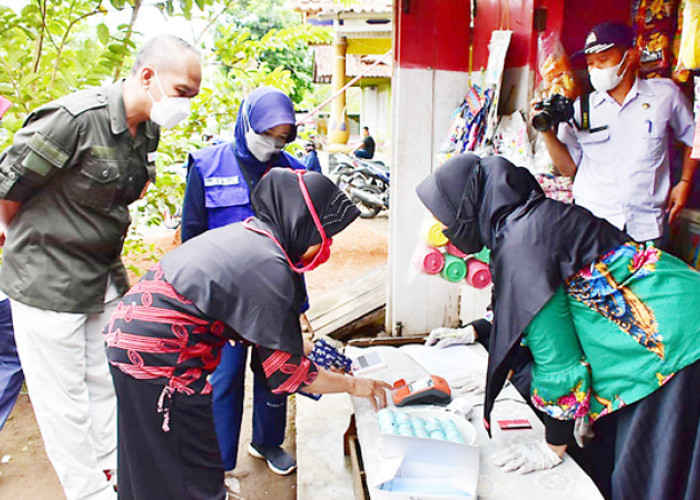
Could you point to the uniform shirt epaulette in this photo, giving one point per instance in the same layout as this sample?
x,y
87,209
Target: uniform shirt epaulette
x,y
83,100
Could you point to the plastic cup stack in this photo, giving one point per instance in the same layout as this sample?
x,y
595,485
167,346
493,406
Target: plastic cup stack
x,y
455,268
437,255
430,260
478,274
453,250
432,234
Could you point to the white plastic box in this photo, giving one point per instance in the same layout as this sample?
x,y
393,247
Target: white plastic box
x,y
428,469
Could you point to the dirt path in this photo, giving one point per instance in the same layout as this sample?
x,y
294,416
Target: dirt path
x,y
27,474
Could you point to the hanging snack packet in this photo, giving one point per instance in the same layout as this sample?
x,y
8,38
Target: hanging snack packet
x,y
556,73
656,27
689,50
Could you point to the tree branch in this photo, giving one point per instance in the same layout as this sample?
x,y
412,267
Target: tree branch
x,y
127,38
64,38
40,38
213,20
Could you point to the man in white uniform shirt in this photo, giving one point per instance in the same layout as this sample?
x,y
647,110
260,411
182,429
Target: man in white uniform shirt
x,y
620,161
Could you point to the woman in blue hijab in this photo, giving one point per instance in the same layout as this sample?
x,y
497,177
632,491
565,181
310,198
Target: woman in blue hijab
x,y
219,185
219,182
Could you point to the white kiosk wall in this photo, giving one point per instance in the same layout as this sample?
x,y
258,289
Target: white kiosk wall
x,y
422,105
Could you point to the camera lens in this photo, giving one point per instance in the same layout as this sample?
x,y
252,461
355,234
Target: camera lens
x,y
542,121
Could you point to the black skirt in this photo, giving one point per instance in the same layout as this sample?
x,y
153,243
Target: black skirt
x,y
183,463
651,449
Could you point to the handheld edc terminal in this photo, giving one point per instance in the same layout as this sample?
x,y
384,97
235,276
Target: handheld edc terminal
x,y
428,390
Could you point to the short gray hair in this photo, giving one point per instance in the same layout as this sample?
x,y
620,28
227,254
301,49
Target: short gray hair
x,y
162,52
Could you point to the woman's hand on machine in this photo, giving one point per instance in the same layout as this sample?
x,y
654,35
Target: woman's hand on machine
x,y
374,390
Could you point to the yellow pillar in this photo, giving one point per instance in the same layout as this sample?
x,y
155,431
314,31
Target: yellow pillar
x,y
338,130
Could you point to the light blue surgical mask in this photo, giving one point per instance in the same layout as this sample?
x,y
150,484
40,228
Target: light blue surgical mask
x,y
263,147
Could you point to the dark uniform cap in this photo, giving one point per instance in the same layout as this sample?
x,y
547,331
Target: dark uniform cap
x,y
607,35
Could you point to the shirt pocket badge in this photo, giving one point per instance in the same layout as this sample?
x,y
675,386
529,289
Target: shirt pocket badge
x,y
219,195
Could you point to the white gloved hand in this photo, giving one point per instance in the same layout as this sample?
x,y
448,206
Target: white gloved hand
x,y
526,454
443,336
583,431
473,382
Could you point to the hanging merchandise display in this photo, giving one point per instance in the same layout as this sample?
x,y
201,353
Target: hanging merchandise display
x,y
466,132
512,142
498,48
557,187
656,22
556,78
473,124
695,153
689,46
682,75
555,72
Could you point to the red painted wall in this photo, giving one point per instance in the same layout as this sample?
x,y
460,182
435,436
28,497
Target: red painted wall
x,y
432,34
515,15
435,33
580,17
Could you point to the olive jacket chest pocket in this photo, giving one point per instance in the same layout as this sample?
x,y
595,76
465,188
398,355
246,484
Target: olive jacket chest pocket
x,y
96,182
132,181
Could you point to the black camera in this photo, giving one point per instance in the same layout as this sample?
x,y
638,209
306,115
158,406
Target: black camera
x,y
552,110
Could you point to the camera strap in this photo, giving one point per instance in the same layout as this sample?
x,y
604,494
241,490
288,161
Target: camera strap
x,y
586,116
585,113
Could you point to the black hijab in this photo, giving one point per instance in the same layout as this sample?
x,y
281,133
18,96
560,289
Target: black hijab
x,y
242,277
536,243
280,205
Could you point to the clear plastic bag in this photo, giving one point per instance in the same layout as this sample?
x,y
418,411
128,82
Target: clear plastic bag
x,y
689,51
512,142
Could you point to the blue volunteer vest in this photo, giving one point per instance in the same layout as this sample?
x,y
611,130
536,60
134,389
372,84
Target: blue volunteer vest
x,y
226,194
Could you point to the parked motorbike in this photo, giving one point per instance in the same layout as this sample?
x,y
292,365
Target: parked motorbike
x,y
365,182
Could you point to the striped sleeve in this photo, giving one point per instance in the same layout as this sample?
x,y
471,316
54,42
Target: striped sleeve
x,y
285,373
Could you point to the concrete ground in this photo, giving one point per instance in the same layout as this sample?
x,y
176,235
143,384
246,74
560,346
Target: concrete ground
x,y
324,473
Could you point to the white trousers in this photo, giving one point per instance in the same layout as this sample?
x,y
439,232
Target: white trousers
x,y
64,363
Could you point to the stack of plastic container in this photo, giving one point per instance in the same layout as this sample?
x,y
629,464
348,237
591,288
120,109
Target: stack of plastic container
x,y
436,255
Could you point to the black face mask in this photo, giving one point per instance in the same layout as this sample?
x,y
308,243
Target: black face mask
x,y
465,235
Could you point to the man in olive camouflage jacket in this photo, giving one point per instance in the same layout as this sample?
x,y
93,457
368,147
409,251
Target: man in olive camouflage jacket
x,y
65,185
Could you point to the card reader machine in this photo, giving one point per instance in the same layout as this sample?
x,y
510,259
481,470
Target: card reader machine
x,y
428,390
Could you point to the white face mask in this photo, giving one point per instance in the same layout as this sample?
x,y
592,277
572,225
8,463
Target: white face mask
x,y
607,78
263,147
169,111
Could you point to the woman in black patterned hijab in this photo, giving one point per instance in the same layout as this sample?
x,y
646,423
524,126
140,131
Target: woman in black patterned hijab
x,y
241,283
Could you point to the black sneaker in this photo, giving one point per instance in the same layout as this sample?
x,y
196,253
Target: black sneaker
x,y
279,461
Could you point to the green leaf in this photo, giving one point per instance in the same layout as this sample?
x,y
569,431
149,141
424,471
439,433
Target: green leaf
x,y
28,79
103,33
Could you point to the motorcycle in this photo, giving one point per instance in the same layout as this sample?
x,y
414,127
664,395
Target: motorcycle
x,y
365,182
